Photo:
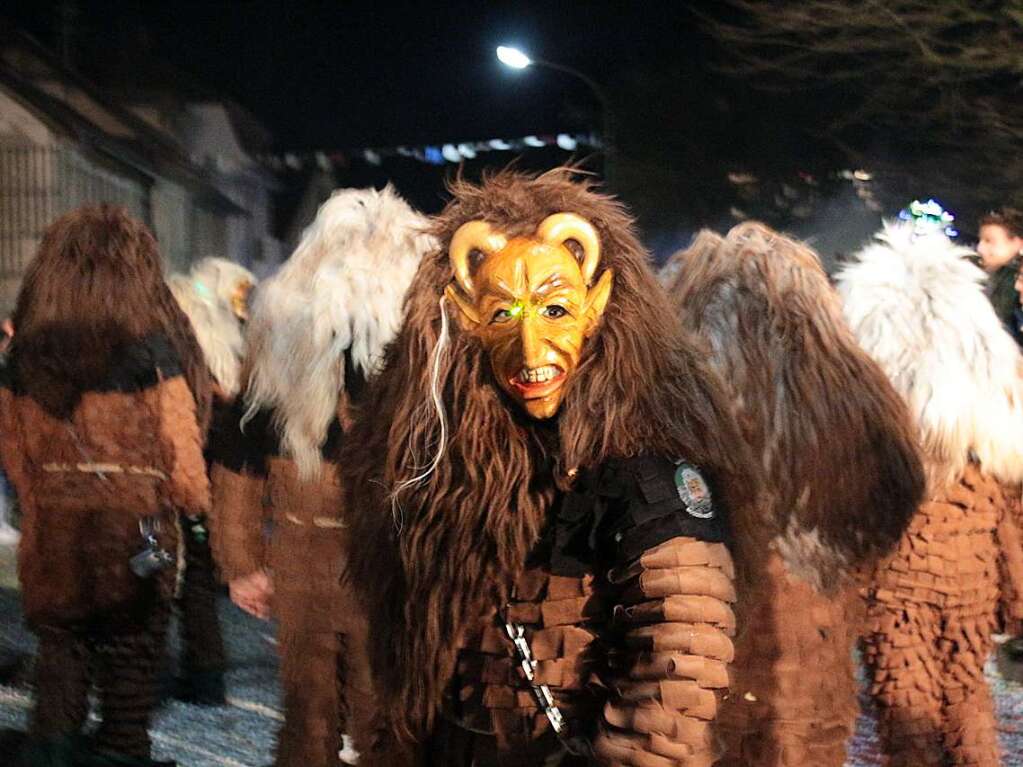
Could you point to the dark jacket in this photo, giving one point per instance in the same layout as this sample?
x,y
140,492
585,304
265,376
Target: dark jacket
x,y
1001,290
625,606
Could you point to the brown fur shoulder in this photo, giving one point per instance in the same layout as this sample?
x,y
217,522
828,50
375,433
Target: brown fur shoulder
x,y
836,442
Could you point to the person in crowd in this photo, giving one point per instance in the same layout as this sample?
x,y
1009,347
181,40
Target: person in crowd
x,y
812,404
916,304
1000,244
317,331
214,296
102,415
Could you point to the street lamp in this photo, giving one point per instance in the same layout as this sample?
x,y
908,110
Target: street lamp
x,y
515,58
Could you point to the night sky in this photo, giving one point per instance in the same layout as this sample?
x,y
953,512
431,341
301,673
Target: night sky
x,y
352,74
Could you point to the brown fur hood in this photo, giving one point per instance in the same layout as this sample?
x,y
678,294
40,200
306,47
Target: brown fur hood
x,y
94,289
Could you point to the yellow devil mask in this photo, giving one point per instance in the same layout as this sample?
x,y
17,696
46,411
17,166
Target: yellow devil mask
x,y
531,303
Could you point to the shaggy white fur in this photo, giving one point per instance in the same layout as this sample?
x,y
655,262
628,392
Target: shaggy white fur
x,y
205,294
341,290
917,306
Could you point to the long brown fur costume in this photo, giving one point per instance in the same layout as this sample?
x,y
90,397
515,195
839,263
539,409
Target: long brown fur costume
x,y
304,554
104,372
917,306
433,566
843,472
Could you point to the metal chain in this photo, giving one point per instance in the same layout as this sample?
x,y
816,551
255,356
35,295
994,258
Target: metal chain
x,y
576,745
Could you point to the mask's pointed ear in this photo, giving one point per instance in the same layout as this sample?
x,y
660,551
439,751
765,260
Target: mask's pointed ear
x,y
468,317
596,300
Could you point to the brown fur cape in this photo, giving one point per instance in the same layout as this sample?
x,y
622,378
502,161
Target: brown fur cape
x,y
94,287
449,550
835,440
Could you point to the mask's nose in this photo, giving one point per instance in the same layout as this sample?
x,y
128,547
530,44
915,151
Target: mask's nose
x,y
533,346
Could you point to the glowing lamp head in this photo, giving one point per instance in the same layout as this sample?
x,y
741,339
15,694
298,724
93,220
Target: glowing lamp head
x,y
513,57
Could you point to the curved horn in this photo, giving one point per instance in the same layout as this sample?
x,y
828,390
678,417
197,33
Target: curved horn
x,y
560,227
470,236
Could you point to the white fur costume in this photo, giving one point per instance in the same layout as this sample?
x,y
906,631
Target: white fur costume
x,y
918,307
342,289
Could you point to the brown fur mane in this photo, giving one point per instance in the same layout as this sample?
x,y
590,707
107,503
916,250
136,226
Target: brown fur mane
x,y
835,439
95,286
462,535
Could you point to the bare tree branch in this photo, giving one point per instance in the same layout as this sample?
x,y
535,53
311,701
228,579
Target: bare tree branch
x,y
941,74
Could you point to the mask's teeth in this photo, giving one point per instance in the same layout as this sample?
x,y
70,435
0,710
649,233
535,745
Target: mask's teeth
x,y
538,375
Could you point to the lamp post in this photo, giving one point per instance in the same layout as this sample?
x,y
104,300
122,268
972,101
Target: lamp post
x,y
515,58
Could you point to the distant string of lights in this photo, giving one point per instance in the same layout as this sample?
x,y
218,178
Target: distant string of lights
x,y
432,154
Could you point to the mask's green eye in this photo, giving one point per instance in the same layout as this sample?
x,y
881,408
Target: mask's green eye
x,y
554,312
503,315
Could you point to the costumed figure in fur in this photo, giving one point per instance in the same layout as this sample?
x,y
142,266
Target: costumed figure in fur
x,y
541,482
103,413
842,480
214,296
917,305
318,329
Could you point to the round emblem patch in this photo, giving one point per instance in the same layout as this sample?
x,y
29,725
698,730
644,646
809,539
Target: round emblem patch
x,y
693,491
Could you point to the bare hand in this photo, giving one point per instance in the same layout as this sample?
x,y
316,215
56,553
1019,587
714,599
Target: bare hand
x,y
252,593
